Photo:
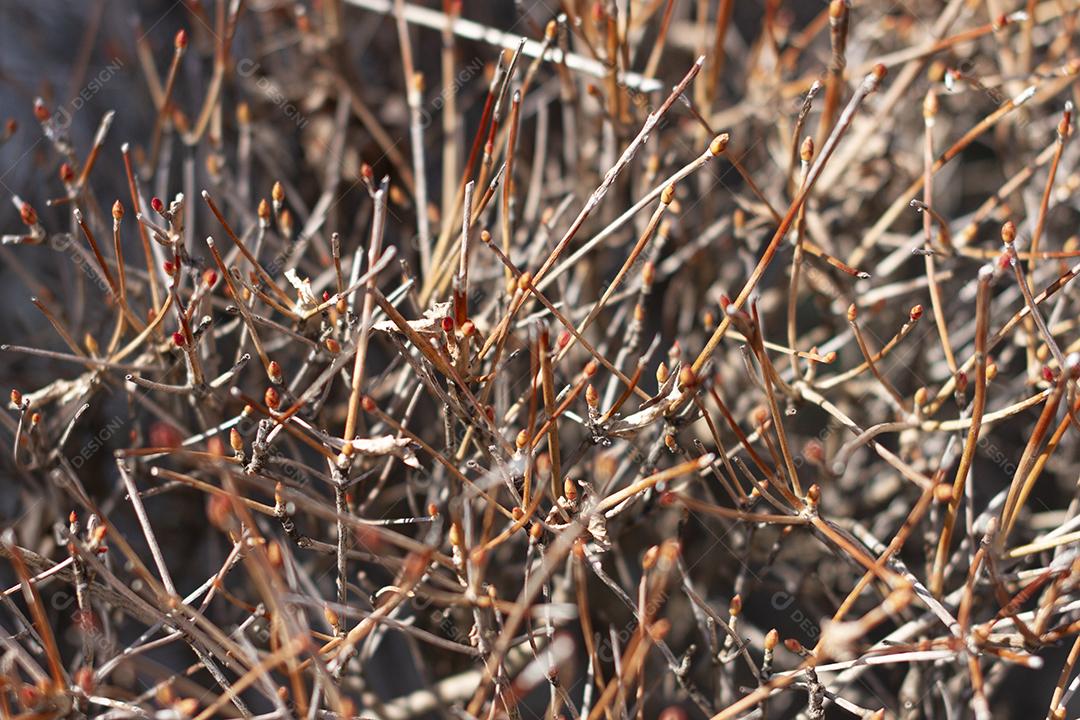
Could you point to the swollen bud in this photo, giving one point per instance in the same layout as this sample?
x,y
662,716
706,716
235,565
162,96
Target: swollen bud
x,y
719,144
28,215
1008,232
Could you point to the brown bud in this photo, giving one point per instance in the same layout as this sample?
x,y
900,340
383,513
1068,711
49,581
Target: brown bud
x,y
648,273
719,144
524,281
943,493
661,374
648,560
930,105
28,215
1008,232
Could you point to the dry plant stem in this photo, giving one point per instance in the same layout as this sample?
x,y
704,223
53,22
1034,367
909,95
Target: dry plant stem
x,y
838,30
1019,487
869,85
414,82
378,225
1055,712
1051,289
889,216
929,112
508,180
165,106
841,378
245,313
899,402
137,208
442,247
613,173
665,201
1064,129
657,51
527,287
687,170
282,295
548,389
982,324
148,531
223,34
37,611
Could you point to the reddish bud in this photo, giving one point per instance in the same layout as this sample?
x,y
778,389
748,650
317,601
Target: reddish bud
x,y
28,215
157,205
40,111
178,339
181,40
